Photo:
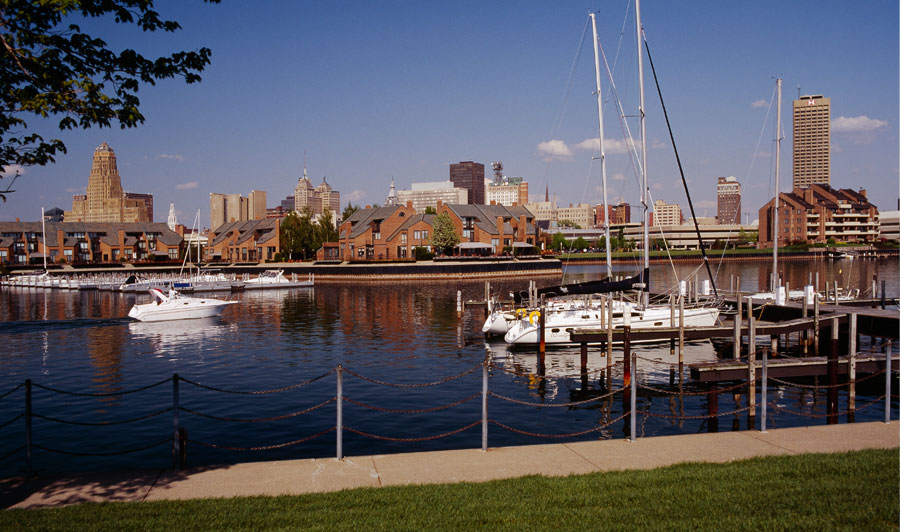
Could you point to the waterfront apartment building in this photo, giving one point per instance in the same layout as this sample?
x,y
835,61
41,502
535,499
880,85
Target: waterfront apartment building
x,y
245,241
728,200
581,215
666,214
423,195
510,191
87,242
497,226
818,213
543,211
105,201
620,214
470,176
812,140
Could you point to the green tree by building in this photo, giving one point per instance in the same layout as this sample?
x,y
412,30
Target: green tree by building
x,y
443,235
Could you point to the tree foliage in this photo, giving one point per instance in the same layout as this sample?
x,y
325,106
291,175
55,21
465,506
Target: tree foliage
x,y
49,67
349,210
291,246
443,235
325,229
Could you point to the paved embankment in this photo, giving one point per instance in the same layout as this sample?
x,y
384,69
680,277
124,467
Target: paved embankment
x,y
294,477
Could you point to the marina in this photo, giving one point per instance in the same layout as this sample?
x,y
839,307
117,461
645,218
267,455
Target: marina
x,y
404,334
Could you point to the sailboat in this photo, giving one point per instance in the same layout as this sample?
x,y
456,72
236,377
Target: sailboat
x,y
559,324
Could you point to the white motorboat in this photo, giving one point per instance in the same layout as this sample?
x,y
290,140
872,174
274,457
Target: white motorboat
x,y
276,279
177,307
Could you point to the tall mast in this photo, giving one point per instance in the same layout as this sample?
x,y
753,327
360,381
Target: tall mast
x,y
645,295
602,148
777,183
44,237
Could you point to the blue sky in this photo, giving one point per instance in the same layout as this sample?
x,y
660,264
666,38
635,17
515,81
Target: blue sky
x,y
371,91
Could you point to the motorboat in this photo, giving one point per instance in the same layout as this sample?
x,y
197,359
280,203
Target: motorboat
x,y
276,279
176,306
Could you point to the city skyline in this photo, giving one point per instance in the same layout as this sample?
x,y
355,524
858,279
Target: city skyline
x,y
348,87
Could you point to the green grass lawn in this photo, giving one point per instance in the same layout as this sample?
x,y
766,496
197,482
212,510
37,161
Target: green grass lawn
x,y
854,491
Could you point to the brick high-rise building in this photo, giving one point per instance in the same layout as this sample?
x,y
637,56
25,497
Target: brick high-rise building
x,y
470,176
105,200
812,141
728,201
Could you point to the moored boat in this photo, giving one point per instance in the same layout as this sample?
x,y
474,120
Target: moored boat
x,y
175,306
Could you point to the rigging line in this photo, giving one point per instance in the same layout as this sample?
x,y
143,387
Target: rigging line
x,y
623,124
562,110
680,169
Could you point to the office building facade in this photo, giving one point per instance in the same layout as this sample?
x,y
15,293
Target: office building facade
x,y
812,141
470,176
105,201
728,200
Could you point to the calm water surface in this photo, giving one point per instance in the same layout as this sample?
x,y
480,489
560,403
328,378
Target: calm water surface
x,y
393,332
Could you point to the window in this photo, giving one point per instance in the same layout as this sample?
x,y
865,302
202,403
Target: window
x,y
376,235
173,253
403,239
68,254
417,235
425,234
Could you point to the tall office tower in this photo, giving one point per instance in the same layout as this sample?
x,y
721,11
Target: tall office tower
x,y
728,201
256,205
812,141
105,201
470,176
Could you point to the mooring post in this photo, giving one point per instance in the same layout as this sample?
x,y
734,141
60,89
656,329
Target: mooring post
x,y
712,407
633,405
459,303
542,319
731,286
817,281
738,285
609,336
484,405
28,464
804,336
672,340
874,290
816,325
851,371
339,452
765,390
680,338
176,440
882,293
488,304
736,350
751,370
833,375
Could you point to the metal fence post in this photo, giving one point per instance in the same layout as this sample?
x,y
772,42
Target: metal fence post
x,y
28,464
484,405
633,396
887,381
176,441
340,412
765,390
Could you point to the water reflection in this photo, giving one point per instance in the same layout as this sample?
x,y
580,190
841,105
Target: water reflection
x,y
169,338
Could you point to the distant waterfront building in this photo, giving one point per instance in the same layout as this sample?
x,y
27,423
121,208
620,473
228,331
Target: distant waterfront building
x,y
510,191
54,215
543,211
172,220
256,205
665,214
620,214
392,198
105,200
227,208
889,228
470,176
817,213
812,141
424,195
728,200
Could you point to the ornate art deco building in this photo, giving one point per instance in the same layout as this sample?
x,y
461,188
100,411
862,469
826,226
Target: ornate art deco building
x,y
105,200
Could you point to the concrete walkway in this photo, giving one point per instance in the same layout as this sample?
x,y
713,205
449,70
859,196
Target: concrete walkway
x,y
295,477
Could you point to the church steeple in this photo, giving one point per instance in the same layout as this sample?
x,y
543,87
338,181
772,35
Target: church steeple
x,y
392,196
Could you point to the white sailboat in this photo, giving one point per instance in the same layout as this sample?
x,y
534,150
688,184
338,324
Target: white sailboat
x,y
559,324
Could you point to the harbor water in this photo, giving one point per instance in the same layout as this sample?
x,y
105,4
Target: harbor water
x,y
81,353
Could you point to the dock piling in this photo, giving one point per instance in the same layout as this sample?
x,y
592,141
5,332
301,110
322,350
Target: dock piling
x,y
680,338
765,390
751,370
484,405
887,379
851,370
832,409
176,440
736,351
28,464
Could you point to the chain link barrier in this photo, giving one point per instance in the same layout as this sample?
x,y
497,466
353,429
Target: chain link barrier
x,y
412,440
567,435
13,452
825,386
12,391
776,407
702,416
262,447
419,411
700,393
419,385
11,421
110,453
493,366
102,423
256,392
260,419
106,394
556,405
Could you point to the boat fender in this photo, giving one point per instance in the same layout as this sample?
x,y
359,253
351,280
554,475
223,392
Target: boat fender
x,y
534,317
